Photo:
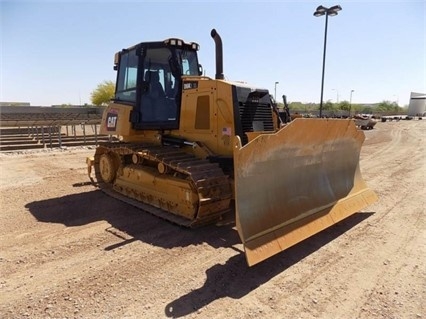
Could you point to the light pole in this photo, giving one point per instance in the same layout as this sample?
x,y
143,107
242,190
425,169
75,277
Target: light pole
x,y
350,103
332,11
275,94
337,95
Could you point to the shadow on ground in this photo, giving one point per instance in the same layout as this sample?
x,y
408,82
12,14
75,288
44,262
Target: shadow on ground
x,y
233,279
89,207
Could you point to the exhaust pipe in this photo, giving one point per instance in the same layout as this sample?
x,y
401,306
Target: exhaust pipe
x,y
219,55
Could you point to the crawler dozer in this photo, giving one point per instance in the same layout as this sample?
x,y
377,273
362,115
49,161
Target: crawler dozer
x,y
191,149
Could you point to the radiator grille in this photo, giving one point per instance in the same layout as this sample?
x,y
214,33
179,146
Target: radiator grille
x,y
255,117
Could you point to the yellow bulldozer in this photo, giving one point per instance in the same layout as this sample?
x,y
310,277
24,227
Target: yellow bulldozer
x,y
191,149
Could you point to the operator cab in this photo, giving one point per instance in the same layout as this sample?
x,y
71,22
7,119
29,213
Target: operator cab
x,y
149,78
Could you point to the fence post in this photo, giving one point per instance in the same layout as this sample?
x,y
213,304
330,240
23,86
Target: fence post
x,y
42,136
84,132
50,136
59,136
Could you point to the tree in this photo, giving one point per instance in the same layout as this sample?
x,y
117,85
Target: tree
x,y
296,106
385,106
344,106
328,106
356,108
103,93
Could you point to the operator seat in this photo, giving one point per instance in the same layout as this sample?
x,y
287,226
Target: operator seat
x,y
154,102
155,88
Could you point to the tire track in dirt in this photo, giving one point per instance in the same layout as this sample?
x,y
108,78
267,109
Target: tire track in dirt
x,y
112,260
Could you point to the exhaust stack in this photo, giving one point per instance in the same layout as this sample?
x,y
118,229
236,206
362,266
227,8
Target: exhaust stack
x,y
219,55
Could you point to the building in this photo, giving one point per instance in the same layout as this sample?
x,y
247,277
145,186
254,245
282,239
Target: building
x,y
417,106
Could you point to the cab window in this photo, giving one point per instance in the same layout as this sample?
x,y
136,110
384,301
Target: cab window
x,y
127,77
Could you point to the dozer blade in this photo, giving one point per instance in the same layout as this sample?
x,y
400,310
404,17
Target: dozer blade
x,y
294,183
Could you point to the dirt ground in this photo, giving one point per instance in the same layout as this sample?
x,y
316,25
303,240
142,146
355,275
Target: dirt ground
x,y
69,251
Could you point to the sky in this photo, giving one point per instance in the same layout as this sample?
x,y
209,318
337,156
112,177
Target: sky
x,y
57,52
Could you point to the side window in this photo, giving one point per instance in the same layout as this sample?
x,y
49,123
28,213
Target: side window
x,y
185,67
127,77
189,62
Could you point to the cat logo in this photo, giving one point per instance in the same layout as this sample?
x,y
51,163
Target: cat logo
x,y
111,121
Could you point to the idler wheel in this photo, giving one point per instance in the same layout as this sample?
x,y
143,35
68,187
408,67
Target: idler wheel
x,y
107,168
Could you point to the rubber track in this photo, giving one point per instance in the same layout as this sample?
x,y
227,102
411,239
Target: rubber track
x,y
206,178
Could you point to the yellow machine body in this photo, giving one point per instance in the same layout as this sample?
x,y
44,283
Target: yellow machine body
x,y
228,151
206,116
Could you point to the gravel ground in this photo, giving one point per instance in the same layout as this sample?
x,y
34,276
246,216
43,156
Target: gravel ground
x,y
69,251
